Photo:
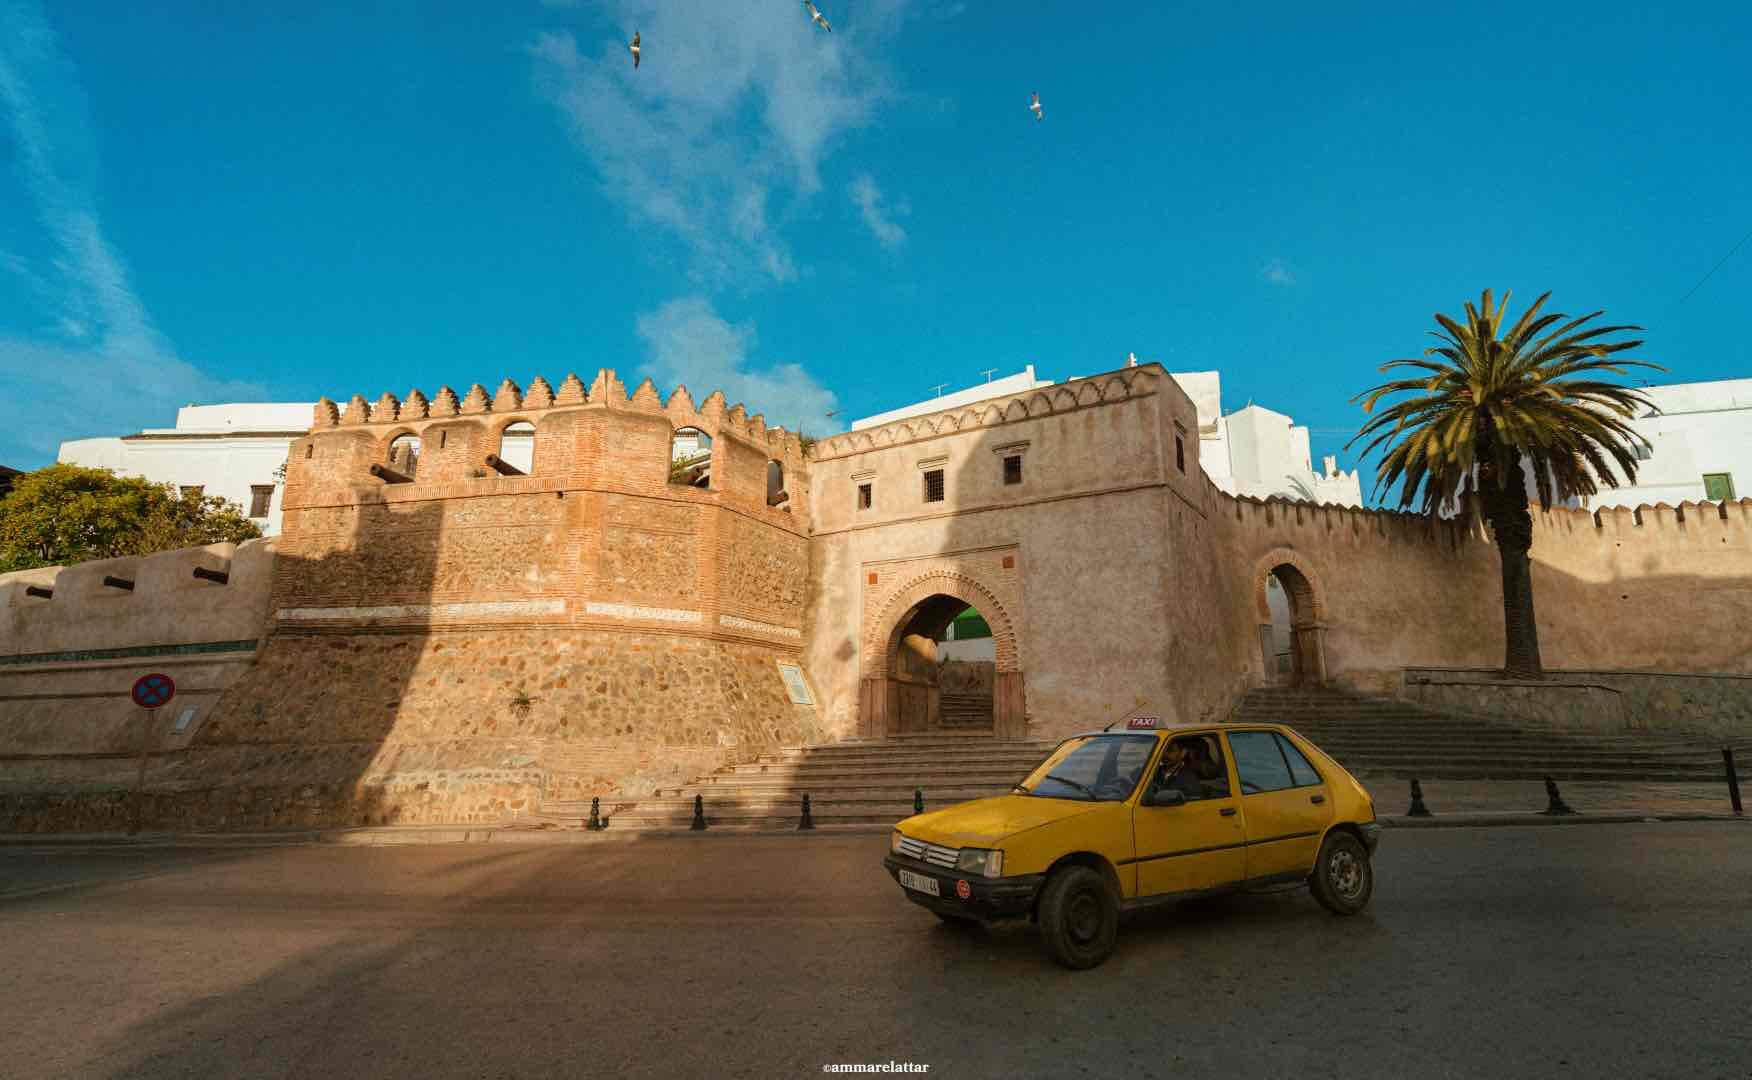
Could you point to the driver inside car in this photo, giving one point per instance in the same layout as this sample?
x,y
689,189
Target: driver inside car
x,y
1181,769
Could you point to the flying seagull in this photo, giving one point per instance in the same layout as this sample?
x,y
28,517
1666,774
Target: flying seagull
x,y
1039,114
634,49
815,13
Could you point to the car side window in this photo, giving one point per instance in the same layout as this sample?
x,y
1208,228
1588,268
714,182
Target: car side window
x,y
1302,772
1259,762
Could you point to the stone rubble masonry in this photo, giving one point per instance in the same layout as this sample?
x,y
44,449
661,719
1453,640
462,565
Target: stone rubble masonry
x,y
466,645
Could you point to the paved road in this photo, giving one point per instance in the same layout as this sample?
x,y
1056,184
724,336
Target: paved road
x,y
1544,952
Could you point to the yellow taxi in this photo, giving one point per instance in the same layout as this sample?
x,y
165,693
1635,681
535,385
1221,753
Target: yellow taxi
x,y
1118,819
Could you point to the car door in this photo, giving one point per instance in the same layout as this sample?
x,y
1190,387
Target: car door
x,y
1197,845
1284,802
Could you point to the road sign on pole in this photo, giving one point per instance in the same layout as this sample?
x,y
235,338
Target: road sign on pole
x,y
154,691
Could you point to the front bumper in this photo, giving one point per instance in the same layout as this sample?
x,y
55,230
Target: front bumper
x,y
988,898
1371,831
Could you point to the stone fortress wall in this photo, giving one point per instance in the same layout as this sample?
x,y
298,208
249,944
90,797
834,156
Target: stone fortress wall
x,y
468,643
1133,579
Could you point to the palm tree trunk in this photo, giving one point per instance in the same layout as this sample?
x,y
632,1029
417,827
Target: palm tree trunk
x,y
1505,506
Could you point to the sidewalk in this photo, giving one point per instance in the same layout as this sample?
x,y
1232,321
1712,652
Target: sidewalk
x,y
1452,804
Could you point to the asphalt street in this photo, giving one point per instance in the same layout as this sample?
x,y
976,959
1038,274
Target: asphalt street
x,y
1588,951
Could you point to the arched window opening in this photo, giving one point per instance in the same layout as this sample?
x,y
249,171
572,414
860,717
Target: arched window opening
x,y
776,495
404,459
516,456
690,458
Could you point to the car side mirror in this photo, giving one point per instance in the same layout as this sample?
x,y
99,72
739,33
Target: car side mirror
x,y
1167,797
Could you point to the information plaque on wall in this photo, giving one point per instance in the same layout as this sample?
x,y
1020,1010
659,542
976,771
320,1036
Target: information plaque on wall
x,y
794,684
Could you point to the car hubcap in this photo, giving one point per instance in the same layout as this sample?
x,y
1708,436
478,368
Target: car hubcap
x,y
1083,920
1346,873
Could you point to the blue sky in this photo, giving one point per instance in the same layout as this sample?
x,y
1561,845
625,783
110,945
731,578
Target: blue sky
x,y
209,202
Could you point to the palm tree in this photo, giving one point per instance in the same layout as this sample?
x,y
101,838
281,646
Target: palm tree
x,y
1487,401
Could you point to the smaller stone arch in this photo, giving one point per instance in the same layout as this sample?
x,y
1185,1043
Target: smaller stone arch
x,y
1306,596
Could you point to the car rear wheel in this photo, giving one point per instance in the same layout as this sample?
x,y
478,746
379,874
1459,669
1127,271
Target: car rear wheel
x,y
1079,917
1343,878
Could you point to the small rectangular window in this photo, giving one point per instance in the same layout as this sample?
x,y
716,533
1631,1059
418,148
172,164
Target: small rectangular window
x,y
1179,454
865,500
261,496
1013,469
1718,486
934,486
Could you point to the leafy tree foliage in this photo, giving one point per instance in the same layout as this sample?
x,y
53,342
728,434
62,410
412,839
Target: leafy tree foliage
x,y
1489,401
67,514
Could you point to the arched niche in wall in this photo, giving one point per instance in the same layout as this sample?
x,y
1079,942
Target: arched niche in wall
x,y
776,495
517,447
404,455
690,458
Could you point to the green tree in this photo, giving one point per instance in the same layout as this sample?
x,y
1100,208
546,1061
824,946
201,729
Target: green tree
x,y
67,514
1487,401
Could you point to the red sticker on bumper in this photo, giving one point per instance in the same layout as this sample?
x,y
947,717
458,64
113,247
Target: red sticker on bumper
x,y
963,890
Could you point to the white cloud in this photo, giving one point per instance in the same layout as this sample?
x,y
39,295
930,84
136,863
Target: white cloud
x,y
734,108
99,366
1277,272
868,198
688,344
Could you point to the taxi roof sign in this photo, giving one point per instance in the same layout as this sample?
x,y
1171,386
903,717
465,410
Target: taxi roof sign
x,y
1143,723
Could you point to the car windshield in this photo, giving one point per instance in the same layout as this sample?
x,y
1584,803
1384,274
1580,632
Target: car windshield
x,y
1094,768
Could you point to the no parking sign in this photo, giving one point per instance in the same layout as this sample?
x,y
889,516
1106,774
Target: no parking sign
x,y
154,691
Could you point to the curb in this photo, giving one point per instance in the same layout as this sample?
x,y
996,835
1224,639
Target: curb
x,y
403,835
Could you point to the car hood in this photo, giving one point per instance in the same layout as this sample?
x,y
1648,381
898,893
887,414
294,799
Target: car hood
x,y
984,822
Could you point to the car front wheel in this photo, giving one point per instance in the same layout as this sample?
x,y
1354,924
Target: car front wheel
x,y
1343,878
1079,917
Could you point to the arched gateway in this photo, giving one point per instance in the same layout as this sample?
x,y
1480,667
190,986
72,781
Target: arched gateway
x,y
1292,619
904,681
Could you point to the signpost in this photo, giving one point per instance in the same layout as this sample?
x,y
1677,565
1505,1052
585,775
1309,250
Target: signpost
x,y
151,692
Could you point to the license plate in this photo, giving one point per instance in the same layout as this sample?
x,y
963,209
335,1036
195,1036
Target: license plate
x,y
919,882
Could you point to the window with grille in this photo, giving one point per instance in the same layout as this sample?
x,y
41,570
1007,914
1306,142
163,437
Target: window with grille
x,y
864,498
261,496
934,486
1718,487
1013,469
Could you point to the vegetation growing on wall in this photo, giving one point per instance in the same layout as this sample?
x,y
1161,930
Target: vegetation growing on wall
x,y
67,514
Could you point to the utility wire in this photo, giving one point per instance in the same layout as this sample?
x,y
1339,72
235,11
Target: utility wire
x,y
1714,268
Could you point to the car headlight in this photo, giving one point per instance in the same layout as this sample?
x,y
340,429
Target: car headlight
x,y
894,842
981,861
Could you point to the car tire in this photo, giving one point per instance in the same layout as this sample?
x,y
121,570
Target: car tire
x,y
1079,917
1343,878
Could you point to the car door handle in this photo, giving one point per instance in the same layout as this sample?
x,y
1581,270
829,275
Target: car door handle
x,y
1317,799
1227,811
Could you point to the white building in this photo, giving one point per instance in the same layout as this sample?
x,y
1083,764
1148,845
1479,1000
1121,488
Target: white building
x,y
1255,451
232,451
1009,384
1700,446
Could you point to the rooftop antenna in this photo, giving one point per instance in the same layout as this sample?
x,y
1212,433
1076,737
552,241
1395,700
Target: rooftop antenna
x,y
939,388
988,374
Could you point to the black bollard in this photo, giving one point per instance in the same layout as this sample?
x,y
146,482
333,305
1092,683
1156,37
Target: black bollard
x,y
1733,778
1418,809
918,800
807,821
1555,806
595,823
699,821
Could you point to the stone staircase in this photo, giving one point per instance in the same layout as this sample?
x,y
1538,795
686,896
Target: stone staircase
x,y
864,784
965,712
1384,738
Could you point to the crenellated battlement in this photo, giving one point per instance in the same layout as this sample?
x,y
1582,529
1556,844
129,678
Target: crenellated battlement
x,y
712,416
